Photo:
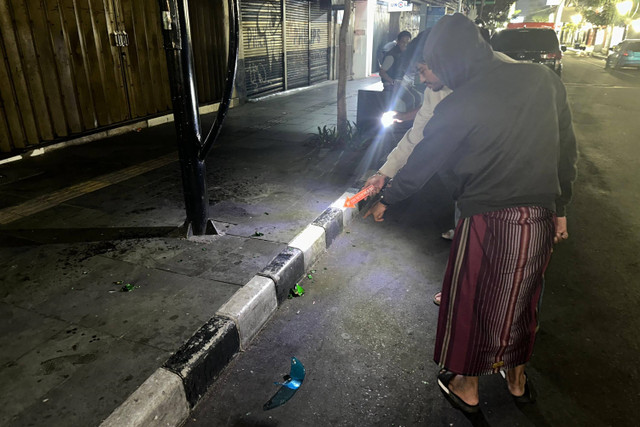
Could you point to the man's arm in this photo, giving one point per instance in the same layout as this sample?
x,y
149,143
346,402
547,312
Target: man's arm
x,y
568,156
398,157
442,137
440,141
387,63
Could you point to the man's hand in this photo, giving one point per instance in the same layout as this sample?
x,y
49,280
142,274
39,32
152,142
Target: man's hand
x,y
377,211
561,229
378,180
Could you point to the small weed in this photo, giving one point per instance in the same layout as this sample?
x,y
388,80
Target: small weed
x,y
353,140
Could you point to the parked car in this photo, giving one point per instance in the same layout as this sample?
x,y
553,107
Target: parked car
x,y
538,45
624,54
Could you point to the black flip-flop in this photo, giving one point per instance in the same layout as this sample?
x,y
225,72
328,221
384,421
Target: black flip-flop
x,y
444,378
529,395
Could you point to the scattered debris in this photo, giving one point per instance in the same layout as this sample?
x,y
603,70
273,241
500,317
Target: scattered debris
x,y
125,287
258,234
288,388
296,291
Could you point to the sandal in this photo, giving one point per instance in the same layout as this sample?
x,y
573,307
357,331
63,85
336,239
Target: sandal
x,y
448,235
437,297
529,395
444,378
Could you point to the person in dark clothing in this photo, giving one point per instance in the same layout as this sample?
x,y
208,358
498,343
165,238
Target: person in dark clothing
x,y
512,152
391,68
401,95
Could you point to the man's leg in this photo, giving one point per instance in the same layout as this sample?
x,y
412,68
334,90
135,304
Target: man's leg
x,y
516,380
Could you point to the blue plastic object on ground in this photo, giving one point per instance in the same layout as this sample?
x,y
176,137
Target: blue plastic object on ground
x,y
288,388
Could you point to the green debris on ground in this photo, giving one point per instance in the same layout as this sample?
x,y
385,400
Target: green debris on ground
x,y
125,287
296,291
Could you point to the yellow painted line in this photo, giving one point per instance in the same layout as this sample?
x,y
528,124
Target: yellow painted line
x,y
50,200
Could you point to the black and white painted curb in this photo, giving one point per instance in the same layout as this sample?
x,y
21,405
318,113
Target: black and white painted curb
x,y
168,395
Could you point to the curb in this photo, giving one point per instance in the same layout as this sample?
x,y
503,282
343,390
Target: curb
x,y
168,395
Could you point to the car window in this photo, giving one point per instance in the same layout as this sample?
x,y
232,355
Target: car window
x,y
536,40
634,46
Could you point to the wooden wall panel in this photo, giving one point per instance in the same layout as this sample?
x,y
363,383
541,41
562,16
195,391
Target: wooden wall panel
x,y
198,20
63,65
6,94
144,58
107,81
209,39
17,77
5,136
62,75
156,68
46,63
135,57
31,70
10,109
79,69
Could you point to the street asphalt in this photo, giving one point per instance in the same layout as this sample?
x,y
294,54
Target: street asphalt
x,y
109,315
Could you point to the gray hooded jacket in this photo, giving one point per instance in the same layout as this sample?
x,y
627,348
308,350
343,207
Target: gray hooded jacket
x,y
504,135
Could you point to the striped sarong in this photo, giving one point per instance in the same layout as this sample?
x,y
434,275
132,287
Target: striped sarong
x,y
488,312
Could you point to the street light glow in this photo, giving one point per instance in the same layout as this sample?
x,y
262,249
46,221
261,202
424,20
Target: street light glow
x,y
576,19
635,24
624,7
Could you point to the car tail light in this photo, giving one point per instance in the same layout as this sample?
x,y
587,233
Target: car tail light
x,y
625,53
552,55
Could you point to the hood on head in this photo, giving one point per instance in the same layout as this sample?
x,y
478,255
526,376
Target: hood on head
x,y
455,50
413,54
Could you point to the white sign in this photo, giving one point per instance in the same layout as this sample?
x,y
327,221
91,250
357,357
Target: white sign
x,y
553,2
400,6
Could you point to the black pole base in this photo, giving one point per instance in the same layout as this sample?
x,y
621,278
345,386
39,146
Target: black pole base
x,y
211,229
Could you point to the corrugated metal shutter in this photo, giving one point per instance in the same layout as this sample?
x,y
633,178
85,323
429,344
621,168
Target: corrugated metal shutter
x,y
319,43
263,48
297,43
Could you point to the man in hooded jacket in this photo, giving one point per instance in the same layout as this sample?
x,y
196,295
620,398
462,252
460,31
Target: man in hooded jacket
x,y
505,135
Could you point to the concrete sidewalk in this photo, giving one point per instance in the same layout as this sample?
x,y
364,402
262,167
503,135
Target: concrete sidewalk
x,y
109,315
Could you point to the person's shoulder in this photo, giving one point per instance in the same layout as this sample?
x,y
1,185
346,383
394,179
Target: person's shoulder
x,y
436,96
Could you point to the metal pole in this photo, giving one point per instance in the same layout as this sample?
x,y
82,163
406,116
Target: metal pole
x,y
232,64
177,44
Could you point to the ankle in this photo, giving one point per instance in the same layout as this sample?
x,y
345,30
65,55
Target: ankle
x,y
466,388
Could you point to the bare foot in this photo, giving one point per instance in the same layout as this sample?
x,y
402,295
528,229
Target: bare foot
x,y
466,388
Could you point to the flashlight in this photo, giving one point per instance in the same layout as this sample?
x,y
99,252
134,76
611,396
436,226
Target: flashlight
x,y
388,118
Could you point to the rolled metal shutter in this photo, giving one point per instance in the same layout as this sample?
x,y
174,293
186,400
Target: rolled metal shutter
x,y
263,48
297,42
318,43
